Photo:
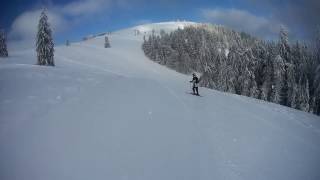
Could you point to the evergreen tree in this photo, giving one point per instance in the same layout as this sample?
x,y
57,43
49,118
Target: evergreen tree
x,y
267,87
314,69
284,47
67,43
147,47
260,69
247,83
3,44
278,76
44,44
289,86
106,42
222,73
316,98
302,98
231,72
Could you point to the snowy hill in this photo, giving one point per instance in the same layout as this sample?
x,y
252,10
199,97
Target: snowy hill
x,y
114,114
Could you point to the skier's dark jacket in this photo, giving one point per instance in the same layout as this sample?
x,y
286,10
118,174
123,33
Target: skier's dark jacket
x,y
195,81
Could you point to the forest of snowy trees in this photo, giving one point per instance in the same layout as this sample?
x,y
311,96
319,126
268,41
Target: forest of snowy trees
x,y
274,71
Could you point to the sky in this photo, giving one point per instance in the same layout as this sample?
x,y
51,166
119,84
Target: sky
x,y
74,19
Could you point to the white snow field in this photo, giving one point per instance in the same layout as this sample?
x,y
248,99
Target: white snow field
x,y
112,114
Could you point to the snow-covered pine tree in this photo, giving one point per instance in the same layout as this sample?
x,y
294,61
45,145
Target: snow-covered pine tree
x,y
106,42
44,42
284,47
302,97
154,46
3,44
259,53
213,67
306,97
246,78
278,76
231,71
146,46
316,102
314,69
289,84
222,72
207,61
268,85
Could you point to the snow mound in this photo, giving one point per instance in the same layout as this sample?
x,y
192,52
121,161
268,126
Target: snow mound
x,y
170,26
113,114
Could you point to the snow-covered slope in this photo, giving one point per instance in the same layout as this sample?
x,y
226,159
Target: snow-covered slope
x,y
166,26
114,114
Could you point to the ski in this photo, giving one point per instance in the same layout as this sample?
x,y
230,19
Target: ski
x,y
194,94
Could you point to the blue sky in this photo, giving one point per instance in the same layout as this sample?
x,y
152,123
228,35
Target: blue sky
x,y
74,19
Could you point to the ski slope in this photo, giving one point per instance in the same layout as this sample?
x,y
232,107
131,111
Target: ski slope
x,y
113,114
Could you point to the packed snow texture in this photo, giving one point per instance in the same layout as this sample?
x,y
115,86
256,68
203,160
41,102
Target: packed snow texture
x,y
113,114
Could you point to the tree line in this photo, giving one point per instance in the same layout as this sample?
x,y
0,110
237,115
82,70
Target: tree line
x,y
236,62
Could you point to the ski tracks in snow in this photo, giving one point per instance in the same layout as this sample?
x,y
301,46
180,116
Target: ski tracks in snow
x,y
92,67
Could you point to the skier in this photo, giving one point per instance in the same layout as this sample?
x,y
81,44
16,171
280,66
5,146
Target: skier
x,y
195,81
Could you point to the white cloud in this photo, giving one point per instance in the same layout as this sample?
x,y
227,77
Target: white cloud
x,y
25,26
244,21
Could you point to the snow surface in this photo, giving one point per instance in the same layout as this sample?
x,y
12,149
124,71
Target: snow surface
x,y
114,114
166,26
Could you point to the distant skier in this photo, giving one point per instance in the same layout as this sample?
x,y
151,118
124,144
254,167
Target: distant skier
x,y
195,81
